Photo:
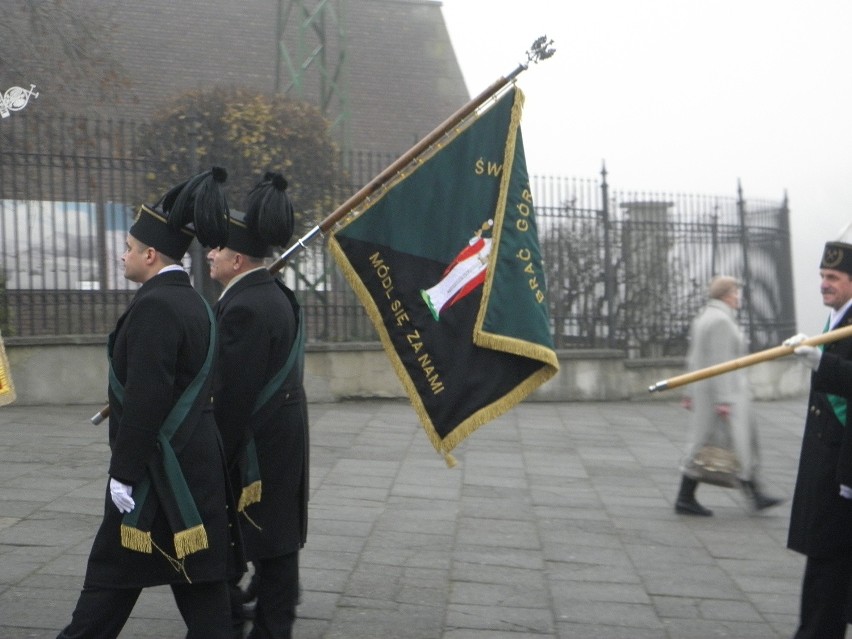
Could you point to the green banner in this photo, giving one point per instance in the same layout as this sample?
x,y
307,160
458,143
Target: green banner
x,y
446,261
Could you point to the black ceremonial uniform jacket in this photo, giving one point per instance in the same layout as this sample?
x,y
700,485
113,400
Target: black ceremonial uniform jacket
x,y
158,347
820,519
257,318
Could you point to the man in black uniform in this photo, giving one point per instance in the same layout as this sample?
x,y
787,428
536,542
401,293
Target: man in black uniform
x,y
821,515
260,402
166,518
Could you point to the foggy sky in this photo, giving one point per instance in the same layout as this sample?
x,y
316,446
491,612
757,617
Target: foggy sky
x,y
685,97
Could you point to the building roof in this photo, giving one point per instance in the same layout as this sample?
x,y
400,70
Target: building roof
x,y
401,78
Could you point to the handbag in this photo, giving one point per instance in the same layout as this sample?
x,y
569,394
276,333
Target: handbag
x,y
715,465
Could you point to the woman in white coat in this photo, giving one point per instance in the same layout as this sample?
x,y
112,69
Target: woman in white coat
x,y
721,405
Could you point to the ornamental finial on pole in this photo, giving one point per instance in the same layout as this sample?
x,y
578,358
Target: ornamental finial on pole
x,y
541,49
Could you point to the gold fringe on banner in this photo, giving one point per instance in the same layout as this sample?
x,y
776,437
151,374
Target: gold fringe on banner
x,y
545,355
493,341
250,495
449,459
135,539
7,388
190,540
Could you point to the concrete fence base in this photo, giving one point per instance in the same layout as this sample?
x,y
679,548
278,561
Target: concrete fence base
x,y
73,370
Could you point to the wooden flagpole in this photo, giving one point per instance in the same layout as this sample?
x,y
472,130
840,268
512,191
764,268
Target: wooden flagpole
x,y
749,360
540,49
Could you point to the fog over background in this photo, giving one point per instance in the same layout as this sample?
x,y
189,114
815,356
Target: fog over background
x,y
685,97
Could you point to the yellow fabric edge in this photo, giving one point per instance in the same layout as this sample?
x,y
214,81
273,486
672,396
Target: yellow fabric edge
x,y
495,409
190,540
7,388
500,209
250,495
417,162
480,338
376,318
136,539
490,340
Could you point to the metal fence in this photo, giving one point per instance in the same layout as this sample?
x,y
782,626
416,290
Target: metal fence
x,y
625,270
629,270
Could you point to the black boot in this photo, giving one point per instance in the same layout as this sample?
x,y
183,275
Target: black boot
x,y
686,503
759,500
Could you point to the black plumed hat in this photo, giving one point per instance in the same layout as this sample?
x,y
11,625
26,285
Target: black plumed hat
x,y
268,220
151,228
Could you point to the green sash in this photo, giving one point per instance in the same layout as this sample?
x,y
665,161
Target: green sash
x,y
250,471
165,474
838,404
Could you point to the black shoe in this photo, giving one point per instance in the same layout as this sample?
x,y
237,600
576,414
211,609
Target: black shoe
x,y
762,502
759,500
686,504
691,507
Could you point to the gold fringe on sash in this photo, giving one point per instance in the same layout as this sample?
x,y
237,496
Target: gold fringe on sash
x,y
250,495
190,540
135,539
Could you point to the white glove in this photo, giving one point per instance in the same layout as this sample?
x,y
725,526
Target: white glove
x,y
794,341
845,491
120,494
810,355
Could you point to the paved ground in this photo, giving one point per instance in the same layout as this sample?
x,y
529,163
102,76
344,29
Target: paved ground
x,y
557,522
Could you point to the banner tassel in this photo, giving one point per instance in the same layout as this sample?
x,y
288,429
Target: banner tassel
x,y
449,459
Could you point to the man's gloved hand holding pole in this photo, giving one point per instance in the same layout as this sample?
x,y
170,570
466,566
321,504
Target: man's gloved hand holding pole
x,y
810,355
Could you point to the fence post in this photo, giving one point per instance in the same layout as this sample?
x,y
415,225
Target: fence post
x,y
741,209
788,301
714,241
609,288
100,216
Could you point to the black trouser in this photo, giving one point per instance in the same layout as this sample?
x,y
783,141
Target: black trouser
x,y
102,612
277,596
825,593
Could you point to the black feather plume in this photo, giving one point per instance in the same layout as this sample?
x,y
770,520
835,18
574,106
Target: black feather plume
x,y
201,201
269,212
167,202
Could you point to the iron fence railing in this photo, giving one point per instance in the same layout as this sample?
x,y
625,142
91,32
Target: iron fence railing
x,y
625,270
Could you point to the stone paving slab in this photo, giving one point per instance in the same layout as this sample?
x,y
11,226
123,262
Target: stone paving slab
x,y
557,522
